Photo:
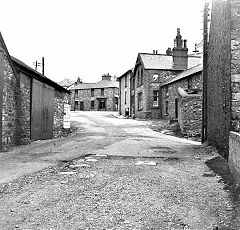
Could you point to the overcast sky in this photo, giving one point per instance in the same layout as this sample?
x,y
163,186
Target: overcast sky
x,y
87,38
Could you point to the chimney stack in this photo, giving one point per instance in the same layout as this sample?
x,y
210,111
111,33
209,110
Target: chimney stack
x,y
107,77
169,51
180,52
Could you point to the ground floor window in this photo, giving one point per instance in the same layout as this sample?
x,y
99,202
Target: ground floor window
x,y
76,105
155,98
140,101
166,107
92,104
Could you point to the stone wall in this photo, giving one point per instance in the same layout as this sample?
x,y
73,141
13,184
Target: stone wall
x,y
190,115
234,155
170,92
235,65
10,123
219,75
25,111
84,95
60,99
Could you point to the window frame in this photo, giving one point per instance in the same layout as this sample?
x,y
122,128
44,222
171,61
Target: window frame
x,y
92,92
166,108
140,102
102,91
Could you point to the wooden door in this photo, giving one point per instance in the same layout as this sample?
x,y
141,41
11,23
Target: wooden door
x,y
42,113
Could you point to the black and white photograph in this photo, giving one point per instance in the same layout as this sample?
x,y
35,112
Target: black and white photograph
x,y
120,115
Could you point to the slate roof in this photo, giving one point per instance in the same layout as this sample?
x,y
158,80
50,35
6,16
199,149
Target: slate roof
x,y
98,85
184,74
35,74
129,71
163,61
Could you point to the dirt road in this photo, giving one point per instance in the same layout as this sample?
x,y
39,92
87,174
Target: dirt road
x,y
113,173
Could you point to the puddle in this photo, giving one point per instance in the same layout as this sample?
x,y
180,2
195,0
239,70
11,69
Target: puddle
x,y
150,163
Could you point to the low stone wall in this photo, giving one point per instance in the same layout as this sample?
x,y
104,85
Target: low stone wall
x,y
190,117
234,155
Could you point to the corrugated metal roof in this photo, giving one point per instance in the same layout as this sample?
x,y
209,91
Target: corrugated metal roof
x,y
184,74
162,61
100,84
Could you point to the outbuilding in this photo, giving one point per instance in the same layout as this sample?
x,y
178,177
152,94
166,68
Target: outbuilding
x,y
31,105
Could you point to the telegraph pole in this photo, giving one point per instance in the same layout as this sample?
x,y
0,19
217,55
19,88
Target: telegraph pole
x,y
205,77
43,64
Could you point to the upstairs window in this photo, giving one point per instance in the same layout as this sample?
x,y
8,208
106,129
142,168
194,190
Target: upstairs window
x,y
102,92
92,92
155,98
125,97
76,93
126,81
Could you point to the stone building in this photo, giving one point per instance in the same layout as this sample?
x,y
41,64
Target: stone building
x,y
100,96
124,93
151,70
181,100
223,74
31,105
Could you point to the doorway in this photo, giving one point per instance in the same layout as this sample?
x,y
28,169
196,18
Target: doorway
x,y
102,104
81,105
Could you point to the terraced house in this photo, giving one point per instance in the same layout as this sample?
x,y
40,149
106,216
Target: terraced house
x,y
151,69
100,96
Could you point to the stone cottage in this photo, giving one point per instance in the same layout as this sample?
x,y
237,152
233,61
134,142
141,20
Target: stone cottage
x,y
151,70
31,105
100,96
124,93
181,100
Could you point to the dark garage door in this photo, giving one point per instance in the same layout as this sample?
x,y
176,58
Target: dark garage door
x,y
42,111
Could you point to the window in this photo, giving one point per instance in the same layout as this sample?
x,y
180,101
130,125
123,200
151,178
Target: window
x,y
167,93
156,77
92,104
102,92
140,101
76,93
126,81
166,107
92,92
125,97
155,98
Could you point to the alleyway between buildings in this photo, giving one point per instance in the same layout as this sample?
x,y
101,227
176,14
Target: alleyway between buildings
x,y
115,173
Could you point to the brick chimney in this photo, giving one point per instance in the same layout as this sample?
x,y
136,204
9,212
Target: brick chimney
x,y
107,77
180,52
